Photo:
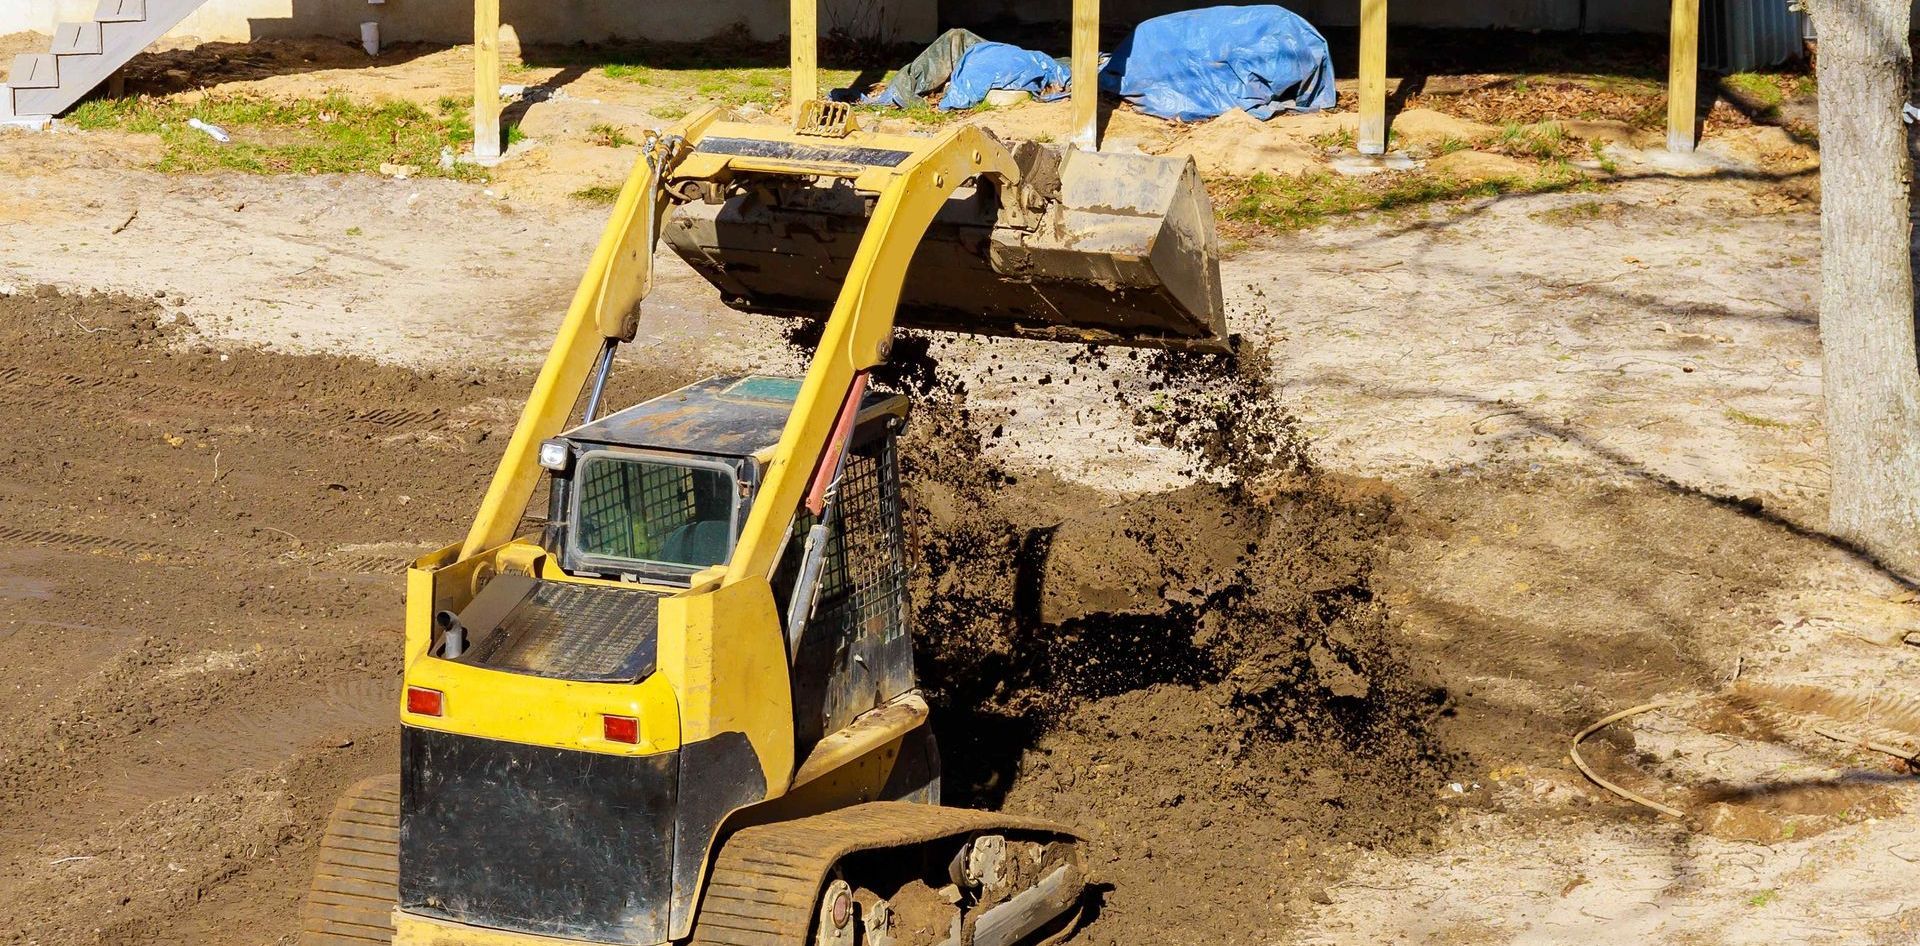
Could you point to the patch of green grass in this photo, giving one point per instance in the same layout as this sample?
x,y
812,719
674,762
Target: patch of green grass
x,y
1342,138
923,112
1449,145
330,134
597,194
1763,89
1585,211
515,135
672,113
712,79
1546,141
920,111
1282,202
1755,420
1763,898
354,231
608,136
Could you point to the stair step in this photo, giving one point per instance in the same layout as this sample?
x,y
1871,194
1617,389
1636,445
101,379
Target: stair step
x,y
77,39
120,11
34,71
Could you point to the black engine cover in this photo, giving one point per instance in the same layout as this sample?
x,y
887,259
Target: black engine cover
x,y
535,839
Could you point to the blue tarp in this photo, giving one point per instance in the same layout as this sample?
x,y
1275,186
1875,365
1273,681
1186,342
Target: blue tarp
x,y
985,67
928,71
1188,66
1201,63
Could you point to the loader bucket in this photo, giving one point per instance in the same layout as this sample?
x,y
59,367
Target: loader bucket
x,y
1106,248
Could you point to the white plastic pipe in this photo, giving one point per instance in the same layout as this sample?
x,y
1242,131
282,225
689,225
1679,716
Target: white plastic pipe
x,y
370,38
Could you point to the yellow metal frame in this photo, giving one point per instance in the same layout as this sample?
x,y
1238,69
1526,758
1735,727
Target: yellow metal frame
x,y
1683,74
722,656
1373,77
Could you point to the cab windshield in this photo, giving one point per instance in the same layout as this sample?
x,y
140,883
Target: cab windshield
x,y
653,511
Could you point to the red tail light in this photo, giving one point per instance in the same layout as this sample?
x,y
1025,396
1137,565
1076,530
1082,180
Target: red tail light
x,y
621,729
424,702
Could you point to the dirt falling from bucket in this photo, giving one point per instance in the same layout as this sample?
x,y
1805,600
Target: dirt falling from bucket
x,y
1201,680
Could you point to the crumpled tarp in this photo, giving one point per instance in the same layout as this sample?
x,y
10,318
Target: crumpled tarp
x,y
988,66
928,71
1189,66
1198,64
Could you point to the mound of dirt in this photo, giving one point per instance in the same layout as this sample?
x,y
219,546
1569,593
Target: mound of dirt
x,y
1239,145
1200,680
1426,126
1481,166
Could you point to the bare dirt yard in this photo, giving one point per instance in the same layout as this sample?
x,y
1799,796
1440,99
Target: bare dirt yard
x,y
1299,639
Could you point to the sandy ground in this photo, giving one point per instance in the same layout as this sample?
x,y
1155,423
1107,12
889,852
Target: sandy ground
x,y
1598,413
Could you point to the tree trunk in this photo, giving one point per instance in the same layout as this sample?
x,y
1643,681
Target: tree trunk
x,y
1872,377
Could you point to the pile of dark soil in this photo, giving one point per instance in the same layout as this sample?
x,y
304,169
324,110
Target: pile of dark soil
x,y
1200,680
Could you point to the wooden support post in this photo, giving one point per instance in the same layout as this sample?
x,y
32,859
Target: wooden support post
x,y
487,140
1373,76
1086,75
1683,74
803,40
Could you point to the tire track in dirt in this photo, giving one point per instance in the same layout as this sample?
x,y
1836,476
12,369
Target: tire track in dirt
x,y
175,760
89,543
146,551
46,391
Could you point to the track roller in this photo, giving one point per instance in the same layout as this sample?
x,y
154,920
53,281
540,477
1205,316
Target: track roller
x,y
893,874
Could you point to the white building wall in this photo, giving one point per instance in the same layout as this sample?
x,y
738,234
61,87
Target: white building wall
x,y
535,21
570,21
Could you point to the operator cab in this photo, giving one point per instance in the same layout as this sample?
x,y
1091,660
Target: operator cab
x,y
658,492
654,494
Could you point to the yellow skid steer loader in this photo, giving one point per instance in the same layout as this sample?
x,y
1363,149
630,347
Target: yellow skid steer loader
x,y
684,709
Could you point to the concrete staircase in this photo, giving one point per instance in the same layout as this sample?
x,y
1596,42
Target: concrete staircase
x,y
84,55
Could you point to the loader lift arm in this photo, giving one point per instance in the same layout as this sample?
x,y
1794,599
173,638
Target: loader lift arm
x,y
856,335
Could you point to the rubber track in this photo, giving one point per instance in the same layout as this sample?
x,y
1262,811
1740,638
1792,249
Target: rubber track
x,y
355,883
767,879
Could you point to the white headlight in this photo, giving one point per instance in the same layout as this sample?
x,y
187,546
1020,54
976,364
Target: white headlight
x,y
553,455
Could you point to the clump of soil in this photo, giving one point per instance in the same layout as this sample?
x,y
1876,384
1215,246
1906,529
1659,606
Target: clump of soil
x,y
1220,410
1202,681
